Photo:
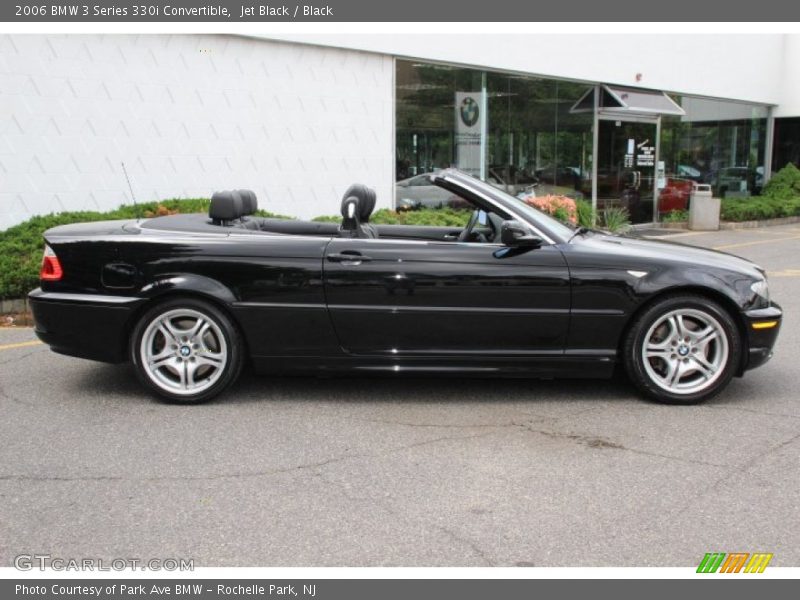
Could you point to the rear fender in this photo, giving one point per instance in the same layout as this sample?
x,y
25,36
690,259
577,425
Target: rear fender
x,y
189,283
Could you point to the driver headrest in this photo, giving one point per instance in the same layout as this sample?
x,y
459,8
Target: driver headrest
x,y
366,200
350,209
249,202
225,206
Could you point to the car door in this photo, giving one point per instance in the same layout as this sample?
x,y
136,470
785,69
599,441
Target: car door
x,y
416,297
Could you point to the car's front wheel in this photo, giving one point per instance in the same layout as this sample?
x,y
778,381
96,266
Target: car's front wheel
x,y
682,350
186,350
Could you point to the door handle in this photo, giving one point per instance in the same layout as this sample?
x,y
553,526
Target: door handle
x,y
348,257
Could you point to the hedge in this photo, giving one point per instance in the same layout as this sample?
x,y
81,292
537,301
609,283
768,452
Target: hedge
x,y
758,208
779,198
440,217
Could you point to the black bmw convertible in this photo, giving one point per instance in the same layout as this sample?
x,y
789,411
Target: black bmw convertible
x,y
192,299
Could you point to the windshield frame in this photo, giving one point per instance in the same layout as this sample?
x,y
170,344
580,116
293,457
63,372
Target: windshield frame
x,y
554,230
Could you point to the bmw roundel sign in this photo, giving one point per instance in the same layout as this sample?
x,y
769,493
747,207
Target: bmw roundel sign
x,y
469,111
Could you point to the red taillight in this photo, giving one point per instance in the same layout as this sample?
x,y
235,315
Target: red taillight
x,y
51,268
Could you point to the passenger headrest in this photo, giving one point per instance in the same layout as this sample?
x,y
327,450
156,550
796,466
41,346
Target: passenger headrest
x,y
225,206
249,202
366,200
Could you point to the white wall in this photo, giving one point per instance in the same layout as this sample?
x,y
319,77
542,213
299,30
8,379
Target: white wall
x,y
741,67
189,114
789,105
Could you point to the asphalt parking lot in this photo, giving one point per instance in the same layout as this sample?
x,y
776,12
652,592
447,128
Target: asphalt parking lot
x,y
413,472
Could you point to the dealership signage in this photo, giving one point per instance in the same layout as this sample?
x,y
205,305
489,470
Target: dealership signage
x,y
646,156
470,121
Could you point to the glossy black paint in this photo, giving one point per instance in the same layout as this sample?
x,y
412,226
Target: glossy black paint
x,y
439,298
417,301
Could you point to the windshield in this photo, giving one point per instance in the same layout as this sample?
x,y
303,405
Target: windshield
x,y
532,214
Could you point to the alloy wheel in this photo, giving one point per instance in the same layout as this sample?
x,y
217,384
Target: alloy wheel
x,y
685,351
183,351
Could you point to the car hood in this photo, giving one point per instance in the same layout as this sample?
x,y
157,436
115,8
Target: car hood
x,y
662,251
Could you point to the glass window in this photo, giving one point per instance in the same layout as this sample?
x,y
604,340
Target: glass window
x,y
787,143
518,133
425,115
532,136
718,143
573,166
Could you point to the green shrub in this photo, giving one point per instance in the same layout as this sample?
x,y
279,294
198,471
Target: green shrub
x,y
615,219
585,212
759,207
561,214
784,184
675,216
270,215
441,217
780,198
436,217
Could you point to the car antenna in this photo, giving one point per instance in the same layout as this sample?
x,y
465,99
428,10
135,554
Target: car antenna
x,y
133,196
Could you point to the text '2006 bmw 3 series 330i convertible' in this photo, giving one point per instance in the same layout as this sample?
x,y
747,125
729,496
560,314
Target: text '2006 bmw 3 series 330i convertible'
x,y
192,299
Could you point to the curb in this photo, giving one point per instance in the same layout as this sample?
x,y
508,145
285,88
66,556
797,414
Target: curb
x,y
731,225
727,225
681,225
13,305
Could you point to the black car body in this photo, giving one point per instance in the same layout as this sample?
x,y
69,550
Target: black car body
x,y
514,293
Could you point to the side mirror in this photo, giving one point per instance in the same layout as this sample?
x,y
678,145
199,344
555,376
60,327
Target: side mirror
x,y
515,235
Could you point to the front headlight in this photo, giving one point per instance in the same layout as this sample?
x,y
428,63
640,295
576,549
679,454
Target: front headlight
x,y
761,288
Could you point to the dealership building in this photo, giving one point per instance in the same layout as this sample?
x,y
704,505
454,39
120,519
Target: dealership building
x,y
619,120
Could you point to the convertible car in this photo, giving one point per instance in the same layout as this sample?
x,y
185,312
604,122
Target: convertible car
x,y
192,299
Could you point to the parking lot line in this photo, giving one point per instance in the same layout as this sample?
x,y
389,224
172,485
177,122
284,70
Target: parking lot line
x,y
784,273
20,345
756,243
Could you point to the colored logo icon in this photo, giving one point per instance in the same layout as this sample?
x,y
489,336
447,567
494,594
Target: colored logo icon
x,y
737,562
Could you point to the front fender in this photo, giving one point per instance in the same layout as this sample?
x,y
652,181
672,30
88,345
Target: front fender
x,y
729,284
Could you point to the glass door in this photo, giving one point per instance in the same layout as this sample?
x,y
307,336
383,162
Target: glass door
x,y
626,166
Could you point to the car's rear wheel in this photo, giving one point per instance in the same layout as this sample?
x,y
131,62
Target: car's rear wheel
x,y
682,350
186,350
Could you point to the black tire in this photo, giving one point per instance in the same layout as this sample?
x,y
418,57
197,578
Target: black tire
x,y
221,339
652,379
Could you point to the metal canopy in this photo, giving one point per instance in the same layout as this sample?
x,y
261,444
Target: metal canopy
x,y
621,100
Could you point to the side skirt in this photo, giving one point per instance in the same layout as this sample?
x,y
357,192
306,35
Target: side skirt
x,y
566,367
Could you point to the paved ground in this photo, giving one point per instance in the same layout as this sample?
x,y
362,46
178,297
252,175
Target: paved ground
x,y
414,472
